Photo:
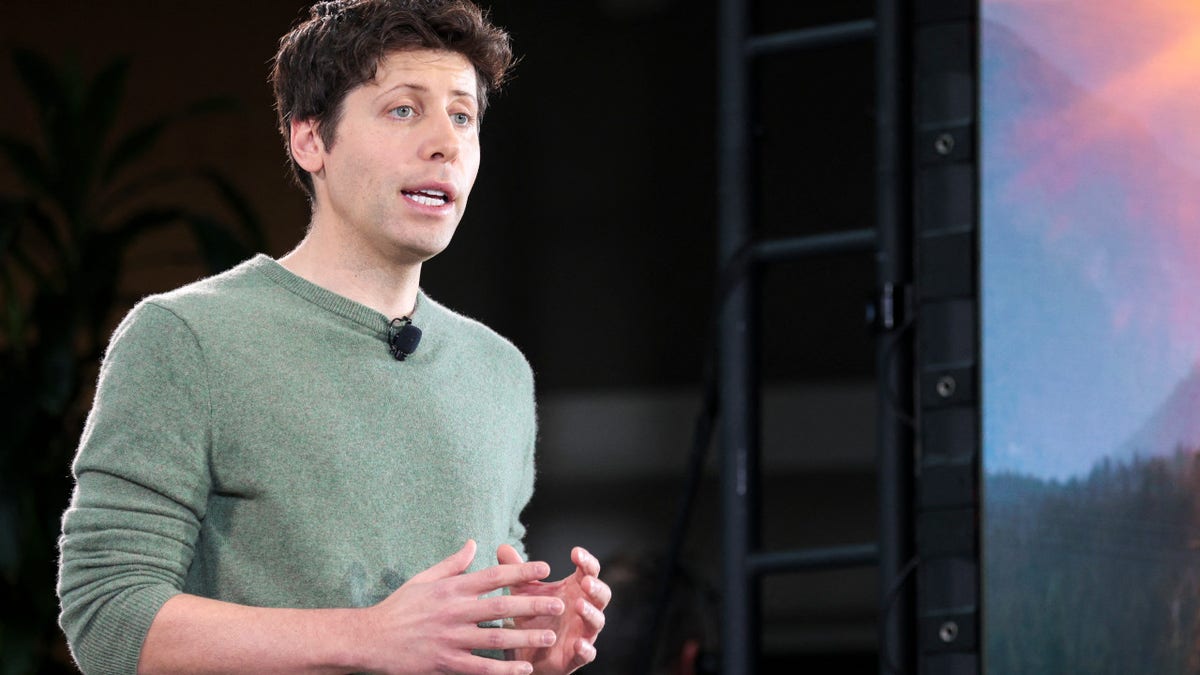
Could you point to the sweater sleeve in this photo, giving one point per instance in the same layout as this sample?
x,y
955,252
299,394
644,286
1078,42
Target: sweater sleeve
x,y
516,530
142,481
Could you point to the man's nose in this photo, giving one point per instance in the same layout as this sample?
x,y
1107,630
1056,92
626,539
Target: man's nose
x,y
443,141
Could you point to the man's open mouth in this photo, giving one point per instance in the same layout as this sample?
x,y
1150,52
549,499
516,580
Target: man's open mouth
x,y
427,197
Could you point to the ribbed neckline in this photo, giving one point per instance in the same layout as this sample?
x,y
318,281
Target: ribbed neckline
x,y
333,302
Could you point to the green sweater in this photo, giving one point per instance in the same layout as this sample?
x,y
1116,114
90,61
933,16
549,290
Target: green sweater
x,y
253,440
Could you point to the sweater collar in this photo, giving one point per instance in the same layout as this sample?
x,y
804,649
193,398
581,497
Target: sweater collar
x,y
340,305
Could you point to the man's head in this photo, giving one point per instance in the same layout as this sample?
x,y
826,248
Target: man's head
x,y
341,44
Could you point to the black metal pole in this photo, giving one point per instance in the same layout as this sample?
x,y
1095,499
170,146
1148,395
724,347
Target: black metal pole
x,y
894,347
808,38
815,559
736,368
795,248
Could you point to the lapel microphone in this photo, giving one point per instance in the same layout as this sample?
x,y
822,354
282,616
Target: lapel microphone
x,y
403,337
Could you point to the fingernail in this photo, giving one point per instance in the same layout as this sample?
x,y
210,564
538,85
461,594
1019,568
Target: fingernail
x,y
548,638
557,607
527,668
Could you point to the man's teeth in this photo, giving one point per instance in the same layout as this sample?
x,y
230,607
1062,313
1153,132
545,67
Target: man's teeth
x,y
427,197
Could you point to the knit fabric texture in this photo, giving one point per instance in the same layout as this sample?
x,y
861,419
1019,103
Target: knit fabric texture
x,y
253,440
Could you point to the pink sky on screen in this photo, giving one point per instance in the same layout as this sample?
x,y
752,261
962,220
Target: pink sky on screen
x,y
1138,64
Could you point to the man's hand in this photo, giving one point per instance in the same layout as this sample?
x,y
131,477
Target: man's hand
x,y
583,595
428,625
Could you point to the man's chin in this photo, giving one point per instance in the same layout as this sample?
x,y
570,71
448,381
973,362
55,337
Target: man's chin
x,y
415,254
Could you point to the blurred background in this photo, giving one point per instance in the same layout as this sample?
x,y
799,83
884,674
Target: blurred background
x,y
589,242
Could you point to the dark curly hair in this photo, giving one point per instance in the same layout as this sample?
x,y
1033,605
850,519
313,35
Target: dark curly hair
x,y
341,43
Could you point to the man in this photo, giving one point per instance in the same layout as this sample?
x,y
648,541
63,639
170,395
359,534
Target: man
x,y
276,476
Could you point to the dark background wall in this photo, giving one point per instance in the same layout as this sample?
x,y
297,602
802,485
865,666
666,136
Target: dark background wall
x,y
590,243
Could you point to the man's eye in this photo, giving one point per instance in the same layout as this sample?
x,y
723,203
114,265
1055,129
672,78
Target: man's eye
x,y
403,111
461,119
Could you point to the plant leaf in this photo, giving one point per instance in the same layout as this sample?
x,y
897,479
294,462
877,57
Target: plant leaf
x,y
15,219
14,317
57,94
41,80
56,372
10,226
100,270
250,223
84,132
137,187
103,100
28,163
143,222
19,258
46,227
218,245
134,145
11,219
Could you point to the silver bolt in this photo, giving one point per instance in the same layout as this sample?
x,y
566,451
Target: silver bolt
x,y
948,632
944,145
946,385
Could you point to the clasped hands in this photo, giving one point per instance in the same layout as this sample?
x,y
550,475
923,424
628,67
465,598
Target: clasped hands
x,y
430,624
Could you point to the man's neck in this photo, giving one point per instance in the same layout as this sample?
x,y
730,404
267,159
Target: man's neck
x,y
387,287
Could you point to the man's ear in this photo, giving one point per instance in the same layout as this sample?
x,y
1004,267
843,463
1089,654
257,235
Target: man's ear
x,y
307,147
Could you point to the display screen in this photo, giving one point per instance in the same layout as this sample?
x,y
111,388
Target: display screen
x,y
1090,313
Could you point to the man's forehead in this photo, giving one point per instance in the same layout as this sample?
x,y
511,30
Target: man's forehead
x,y
421,67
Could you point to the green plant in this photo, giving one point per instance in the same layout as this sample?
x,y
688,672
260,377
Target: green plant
x,y
85,197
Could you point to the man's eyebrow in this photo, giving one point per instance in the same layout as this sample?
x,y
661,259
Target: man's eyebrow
x,y
404,85
423,89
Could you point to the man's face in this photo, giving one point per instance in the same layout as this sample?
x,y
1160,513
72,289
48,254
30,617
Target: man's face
x,y
405,154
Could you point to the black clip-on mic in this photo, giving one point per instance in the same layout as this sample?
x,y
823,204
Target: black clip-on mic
x,y
403,337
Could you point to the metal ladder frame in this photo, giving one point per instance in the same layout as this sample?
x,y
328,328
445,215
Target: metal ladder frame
x,y
737,376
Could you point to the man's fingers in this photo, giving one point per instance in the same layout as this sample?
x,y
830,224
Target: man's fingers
x,y
586,562
470,664
514,606
585,653
455,564
510,572
501,576
592,617
598,591
507,555
500,639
